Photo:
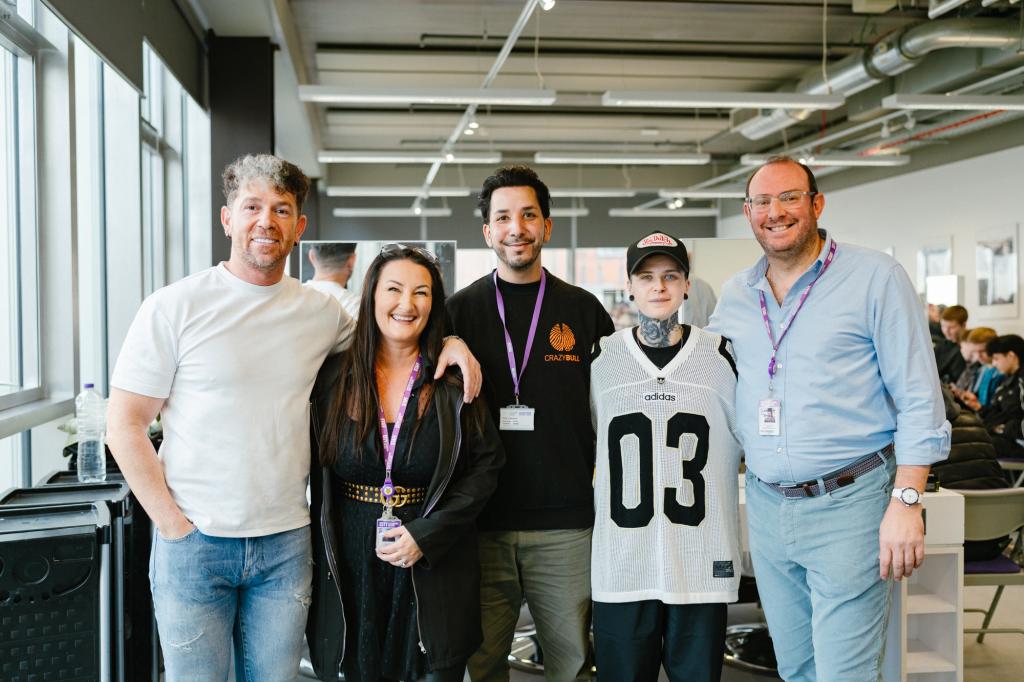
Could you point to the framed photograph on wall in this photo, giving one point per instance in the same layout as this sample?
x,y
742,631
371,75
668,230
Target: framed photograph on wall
x,y
934,258
995,261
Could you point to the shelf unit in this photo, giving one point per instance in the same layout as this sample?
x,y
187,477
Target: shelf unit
x,y
924,641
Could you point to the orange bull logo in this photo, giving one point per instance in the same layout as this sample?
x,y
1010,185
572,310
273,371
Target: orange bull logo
x,y
563,340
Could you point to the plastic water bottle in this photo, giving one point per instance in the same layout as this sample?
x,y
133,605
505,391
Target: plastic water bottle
x,y
91,413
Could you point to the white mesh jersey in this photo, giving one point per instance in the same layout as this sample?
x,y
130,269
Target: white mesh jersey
x,y
666,486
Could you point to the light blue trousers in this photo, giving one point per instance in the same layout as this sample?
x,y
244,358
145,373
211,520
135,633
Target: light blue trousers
x,y
816,565
209,590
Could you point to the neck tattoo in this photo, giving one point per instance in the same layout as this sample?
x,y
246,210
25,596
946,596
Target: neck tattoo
x,y
659,333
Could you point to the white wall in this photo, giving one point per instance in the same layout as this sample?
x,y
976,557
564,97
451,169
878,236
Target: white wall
x,y
952,202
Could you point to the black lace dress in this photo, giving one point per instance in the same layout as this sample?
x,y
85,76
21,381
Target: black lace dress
x,y
382,638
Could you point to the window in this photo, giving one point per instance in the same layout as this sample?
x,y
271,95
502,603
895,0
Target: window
x,y
89,159
19,290
10,462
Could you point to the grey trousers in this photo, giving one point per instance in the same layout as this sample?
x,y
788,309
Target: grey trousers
x,y
551,568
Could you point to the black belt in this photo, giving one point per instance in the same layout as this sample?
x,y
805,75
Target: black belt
x,y
837,479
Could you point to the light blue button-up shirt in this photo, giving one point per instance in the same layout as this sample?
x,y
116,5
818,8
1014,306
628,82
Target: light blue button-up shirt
x,y
855,372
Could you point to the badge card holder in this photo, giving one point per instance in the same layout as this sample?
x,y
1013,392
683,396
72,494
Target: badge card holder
x,y
516,418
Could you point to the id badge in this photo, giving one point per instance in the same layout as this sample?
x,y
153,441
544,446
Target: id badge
x,y
384,524
516,418
769,417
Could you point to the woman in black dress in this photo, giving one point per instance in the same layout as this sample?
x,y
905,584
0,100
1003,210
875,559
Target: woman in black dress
x,y
401,470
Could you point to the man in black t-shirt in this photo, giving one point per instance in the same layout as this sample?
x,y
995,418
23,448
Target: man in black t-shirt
x,y
533,335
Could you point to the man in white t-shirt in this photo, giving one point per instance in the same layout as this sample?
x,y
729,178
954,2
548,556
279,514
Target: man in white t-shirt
x,y
332,268
227,357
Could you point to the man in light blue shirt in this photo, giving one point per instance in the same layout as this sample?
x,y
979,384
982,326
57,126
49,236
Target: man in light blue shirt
x,y
846,379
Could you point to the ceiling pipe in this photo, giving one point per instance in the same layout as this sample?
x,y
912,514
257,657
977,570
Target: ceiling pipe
x,y
886,58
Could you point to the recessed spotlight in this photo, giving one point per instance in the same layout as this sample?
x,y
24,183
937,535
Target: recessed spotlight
x,y
449,157
469,131
547,5
474,125
417,210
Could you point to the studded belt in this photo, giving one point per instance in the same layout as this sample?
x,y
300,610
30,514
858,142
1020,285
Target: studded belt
x,y
371,494
837,479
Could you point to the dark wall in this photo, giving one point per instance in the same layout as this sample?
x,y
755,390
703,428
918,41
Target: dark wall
x,y
241,113
116,29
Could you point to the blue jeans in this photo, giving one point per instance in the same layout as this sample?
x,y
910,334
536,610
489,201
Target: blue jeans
x,y
208,589
816,565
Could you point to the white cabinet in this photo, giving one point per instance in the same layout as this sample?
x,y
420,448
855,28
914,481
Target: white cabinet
x,y
925,638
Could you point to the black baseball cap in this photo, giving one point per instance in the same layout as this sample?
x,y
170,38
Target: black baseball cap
x,y
657,242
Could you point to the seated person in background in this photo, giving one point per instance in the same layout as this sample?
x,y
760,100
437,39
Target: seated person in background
x,y
977,383
969,352
971,465
1003,415
934,328
950,362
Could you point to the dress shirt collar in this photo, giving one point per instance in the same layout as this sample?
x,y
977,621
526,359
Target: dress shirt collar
x,y
757,275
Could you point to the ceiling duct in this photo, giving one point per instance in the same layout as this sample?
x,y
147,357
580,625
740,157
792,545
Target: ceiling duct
x,y
884,59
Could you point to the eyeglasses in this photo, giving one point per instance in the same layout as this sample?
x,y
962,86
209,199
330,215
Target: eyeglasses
x,y
762,202
397,248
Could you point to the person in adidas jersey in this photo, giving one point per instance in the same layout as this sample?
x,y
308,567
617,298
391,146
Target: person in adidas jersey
x,y
836,373
666,552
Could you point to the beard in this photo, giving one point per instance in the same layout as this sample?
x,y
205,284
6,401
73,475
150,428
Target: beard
x,y
518,262
263,261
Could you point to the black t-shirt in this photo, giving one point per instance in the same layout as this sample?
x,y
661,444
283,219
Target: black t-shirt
x,y
662,356
547,480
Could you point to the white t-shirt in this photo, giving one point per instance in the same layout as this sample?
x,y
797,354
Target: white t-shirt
x,y
348,300
236,363
666,505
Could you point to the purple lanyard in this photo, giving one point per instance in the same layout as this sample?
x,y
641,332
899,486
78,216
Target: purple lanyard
x,y
789,323
390,443
517,376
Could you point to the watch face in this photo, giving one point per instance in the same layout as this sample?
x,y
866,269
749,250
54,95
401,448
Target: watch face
x,y
910,496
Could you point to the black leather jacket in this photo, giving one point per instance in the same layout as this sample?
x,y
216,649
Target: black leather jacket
x,y
446,580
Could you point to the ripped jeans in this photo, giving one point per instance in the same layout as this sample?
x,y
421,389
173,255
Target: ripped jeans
x,y
209,590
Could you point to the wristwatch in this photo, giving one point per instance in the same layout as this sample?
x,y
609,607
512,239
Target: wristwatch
x,y
908,496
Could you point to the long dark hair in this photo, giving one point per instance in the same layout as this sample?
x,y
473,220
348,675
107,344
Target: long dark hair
x,y
356,396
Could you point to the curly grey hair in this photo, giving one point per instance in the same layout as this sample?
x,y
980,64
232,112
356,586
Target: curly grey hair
x,y
283,176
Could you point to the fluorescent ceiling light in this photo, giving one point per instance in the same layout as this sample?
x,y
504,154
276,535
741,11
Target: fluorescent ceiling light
x,y
356,191
719,100
593,193
662,212
680,159
955,102
581,212
392,213
700,194
332,94
328,156
834,159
